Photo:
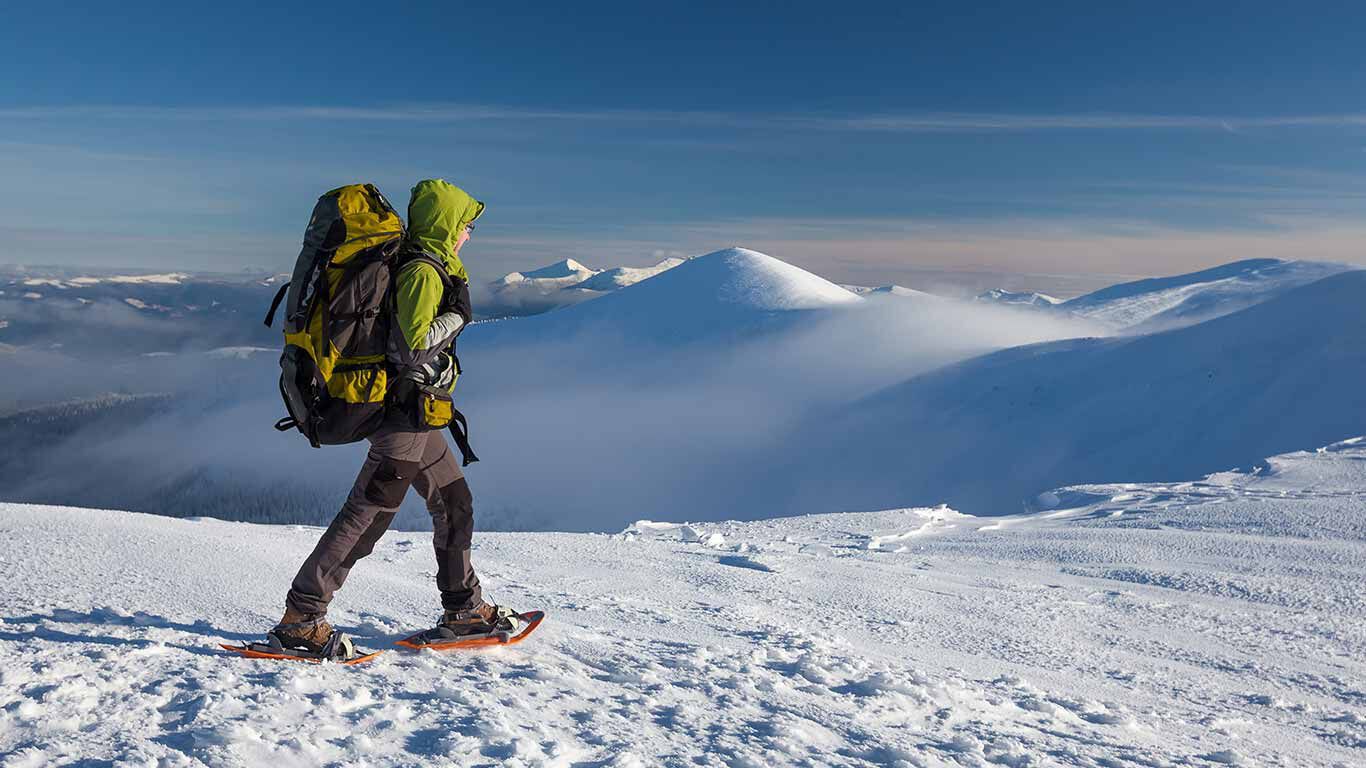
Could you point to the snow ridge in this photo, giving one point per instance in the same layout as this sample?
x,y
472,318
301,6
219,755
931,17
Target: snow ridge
x,y
1165,302
563,283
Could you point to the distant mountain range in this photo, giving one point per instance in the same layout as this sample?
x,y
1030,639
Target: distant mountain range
x,y
691,384
100,315
561,284
1161,303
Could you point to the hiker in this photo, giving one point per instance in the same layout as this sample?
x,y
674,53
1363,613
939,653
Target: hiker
x,y
429,311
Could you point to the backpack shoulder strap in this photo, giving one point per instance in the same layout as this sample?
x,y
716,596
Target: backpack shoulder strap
x,y
410,255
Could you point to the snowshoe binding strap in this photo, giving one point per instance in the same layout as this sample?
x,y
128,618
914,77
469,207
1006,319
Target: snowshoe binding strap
x,y
338,647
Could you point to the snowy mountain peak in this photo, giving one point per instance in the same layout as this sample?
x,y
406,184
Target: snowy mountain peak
x,y
759,281
737,276
559,270
727,294
620,277
1019,298
1164,302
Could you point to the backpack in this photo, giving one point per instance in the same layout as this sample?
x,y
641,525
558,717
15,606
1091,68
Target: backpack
x,y
337,310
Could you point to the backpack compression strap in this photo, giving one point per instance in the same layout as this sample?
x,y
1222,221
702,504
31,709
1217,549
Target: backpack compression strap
x,y
274,305
460,432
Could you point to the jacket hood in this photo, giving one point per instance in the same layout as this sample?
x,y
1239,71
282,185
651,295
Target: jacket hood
x,y
437,211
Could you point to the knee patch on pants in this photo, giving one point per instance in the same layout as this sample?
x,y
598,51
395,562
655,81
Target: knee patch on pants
x,y
390,482
458,504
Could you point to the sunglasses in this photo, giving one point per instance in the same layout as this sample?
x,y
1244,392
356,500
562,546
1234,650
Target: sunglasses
x,y
469,227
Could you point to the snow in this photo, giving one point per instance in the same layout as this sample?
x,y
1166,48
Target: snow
x,y
1282,375
1027,298
564,283
889,290
621,277
1166,302
723,294
241,353
38,282
170,278
559,270
758,281
561,274
1184,623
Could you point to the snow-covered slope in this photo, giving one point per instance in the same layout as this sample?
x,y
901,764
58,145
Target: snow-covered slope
x,y
96,316
1165,302
562,284
561,274
1198,623
724,294
990,432
889,290
1017,298
621,277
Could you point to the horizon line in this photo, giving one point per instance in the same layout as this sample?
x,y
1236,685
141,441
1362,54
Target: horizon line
x,y
889,122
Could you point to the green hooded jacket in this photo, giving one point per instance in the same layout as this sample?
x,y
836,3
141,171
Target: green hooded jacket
x,y
437,211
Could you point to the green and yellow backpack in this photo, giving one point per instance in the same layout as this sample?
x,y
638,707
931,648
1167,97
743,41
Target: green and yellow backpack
x,y
337,310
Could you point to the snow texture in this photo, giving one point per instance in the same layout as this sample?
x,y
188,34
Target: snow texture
x,y
1027,299
717,296
563,284
1167,302
1283,375
1210,622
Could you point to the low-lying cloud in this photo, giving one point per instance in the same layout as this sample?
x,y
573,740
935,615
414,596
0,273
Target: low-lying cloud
x,y
586,432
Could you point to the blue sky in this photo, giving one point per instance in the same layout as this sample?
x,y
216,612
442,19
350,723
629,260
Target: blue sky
x,y
860,140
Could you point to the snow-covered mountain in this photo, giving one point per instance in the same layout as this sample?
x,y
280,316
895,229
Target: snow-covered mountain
x,y
1216,622
722,295
617,278
889,290
1018,298
561,274
562,284
734,384
1280,375
1166,302
132,314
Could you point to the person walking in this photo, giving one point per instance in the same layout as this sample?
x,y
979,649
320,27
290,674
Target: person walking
x,y
431,306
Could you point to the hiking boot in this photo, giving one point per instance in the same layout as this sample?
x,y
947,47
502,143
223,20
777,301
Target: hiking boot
x,y
302,631
481,619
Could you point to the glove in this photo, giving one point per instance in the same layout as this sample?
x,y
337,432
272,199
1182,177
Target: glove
x,y
440,372
444,375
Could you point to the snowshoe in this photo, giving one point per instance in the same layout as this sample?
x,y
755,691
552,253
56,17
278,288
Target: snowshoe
x,y
304,641
478,627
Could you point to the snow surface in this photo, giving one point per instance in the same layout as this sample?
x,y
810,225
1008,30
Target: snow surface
x,y
1028,299
723,294
563,283
1165,302
1283,375
171,278
561,274
1211,622
890,290
622,277
241,353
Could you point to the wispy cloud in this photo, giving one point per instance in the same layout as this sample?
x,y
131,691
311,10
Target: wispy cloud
x,y
882,250
960,122
967,122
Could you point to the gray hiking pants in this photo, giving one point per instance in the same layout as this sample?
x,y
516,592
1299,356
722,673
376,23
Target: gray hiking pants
x,y
397,459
